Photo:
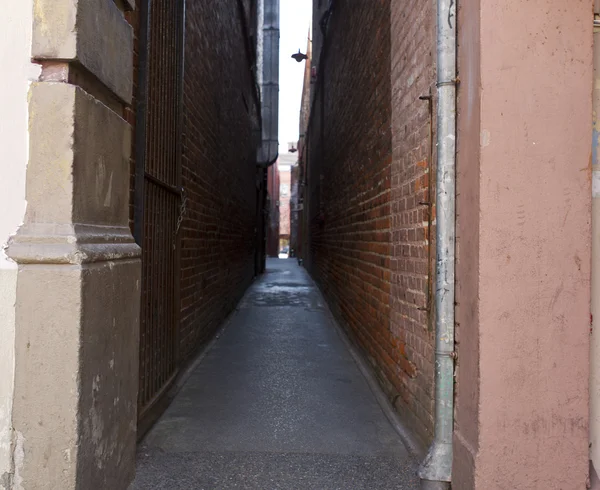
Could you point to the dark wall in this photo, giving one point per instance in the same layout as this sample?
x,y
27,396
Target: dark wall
x,y
220,113
220,229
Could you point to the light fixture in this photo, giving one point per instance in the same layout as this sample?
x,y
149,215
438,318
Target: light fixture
x,y
299,56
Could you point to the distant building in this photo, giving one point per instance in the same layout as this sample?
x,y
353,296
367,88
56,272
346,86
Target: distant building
x,y
273,187
285,192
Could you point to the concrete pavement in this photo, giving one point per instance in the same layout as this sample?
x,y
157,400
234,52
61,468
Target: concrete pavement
x,y
276,403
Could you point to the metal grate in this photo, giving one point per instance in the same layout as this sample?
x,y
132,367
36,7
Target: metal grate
x,y
162,200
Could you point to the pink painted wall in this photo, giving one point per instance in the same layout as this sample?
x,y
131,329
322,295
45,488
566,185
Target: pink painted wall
x,y
466,422
524,244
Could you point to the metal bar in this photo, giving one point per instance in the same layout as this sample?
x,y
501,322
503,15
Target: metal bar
x,y
162,194
170,188
430,206
180,120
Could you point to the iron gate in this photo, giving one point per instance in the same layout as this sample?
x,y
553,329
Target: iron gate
x,y
159,196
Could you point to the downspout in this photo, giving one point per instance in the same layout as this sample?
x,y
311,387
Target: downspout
x,y
436,470
269,83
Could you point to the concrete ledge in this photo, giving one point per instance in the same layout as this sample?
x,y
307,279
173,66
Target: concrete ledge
x,y
91,32
46,243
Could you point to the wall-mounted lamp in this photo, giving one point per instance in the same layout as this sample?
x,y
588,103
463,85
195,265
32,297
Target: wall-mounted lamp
x,y
299,56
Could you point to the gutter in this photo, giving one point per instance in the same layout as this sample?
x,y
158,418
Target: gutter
x,y
436,470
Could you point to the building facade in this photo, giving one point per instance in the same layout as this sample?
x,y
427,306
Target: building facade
x,y
136,222
273,219
285,194
523,209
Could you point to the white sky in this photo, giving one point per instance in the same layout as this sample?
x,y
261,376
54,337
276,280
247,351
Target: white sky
x,y
295,19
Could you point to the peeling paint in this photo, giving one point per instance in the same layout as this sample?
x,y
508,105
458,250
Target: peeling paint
x,y
486,138
107,199
19,460
18,72
595,144
596,183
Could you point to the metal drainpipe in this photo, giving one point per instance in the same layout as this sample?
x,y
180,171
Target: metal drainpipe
x,y
436,470
269,149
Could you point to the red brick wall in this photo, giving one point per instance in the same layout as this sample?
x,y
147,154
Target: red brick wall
x,y
219,174
349,177
368,189
413,76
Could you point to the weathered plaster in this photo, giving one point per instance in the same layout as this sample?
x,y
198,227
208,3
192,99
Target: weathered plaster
x,y
15,50
76,308
78,292
595,338
525,309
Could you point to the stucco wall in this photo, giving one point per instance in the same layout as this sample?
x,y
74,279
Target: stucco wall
x,y
595,290
17,72
524,245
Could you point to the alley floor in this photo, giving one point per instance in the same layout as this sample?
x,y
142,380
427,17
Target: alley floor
x,y
277,402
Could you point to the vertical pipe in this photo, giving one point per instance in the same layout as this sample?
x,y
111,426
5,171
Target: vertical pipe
x,y
269,149
436,469
595,288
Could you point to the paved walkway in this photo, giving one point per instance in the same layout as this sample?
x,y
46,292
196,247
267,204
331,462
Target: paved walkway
x,y
276,403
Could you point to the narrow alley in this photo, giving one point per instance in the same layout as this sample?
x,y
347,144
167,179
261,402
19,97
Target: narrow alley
x,y
277,401
429,170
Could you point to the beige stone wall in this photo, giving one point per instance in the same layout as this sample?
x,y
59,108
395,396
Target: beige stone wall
x,y
18,71
78,280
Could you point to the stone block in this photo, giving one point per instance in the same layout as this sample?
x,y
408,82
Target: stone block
x,y
92,33
79,158
77,366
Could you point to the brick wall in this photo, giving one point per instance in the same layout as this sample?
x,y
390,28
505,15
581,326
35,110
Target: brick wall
x,y
349,176
413,221
219,174
369,153
219,230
